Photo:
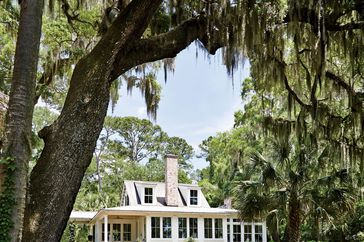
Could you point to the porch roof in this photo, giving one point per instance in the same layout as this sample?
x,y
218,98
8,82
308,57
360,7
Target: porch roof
x,y
157,210
82,216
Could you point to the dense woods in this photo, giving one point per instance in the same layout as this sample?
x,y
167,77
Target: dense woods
x,y
295,156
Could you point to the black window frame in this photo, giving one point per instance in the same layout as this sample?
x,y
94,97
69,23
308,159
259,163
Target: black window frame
x,y
193,197
258,235
148,197
167,227
249,233
193,231
116,232
218,228
126,232
208,229
155,226
182,228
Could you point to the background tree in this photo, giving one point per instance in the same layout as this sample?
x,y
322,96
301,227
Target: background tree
x,y
310,164
138,139
112,163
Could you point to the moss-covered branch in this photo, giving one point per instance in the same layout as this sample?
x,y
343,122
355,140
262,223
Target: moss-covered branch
x,y
166,45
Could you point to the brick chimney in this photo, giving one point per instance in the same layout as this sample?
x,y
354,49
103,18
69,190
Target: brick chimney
x,y
171,180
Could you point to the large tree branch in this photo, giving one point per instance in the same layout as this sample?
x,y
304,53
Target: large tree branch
x,y
357,100
340,82
349,26
309,16
166,45
282,65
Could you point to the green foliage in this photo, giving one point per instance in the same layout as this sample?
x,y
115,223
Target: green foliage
x,y
355,230
42,116
7,198
140,139
75,233
129,149
8,25
190,239
270,156
213,194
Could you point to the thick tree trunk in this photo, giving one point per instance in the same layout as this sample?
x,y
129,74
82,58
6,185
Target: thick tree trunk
x,y
70,141
18,122
293,233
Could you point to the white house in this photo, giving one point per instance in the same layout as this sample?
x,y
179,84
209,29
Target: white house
x,y
166,212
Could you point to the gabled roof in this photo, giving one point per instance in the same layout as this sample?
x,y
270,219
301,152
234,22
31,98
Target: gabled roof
x,y
131,189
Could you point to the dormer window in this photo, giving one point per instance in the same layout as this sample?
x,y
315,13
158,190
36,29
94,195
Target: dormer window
x,y
193,197
148,195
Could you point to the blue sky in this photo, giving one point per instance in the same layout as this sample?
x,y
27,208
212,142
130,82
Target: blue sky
x,y
198,100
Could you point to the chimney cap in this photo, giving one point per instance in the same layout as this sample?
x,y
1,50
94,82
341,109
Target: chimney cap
x,y
171,156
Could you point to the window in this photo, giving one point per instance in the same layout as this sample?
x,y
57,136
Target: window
x,y
126,232
248,237
156,229
228,232
236,233
258,233
103,232
127,202
193,197
218,228
148,195
193,228
116,232
182,228
167,228
208,228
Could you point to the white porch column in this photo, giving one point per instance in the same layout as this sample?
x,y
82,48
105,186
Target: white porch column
x,y
98,231
224,229
174,229
200,232
231,229
148,232
264,231
105,228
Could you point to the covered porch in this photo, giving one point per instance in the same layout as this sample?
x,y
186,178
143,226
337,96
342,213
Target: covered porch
x,y
177,224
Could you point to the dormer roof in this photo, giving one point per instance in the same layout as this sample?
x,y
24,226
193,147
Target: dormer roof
x,y
132,189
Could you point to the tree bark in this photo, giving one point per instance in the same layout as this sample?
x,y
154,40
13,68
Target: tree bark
x,y
18,122
71,139
294,218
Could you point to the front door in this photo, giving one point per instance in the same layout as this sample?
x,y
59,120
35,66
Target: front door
x,y
120,231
